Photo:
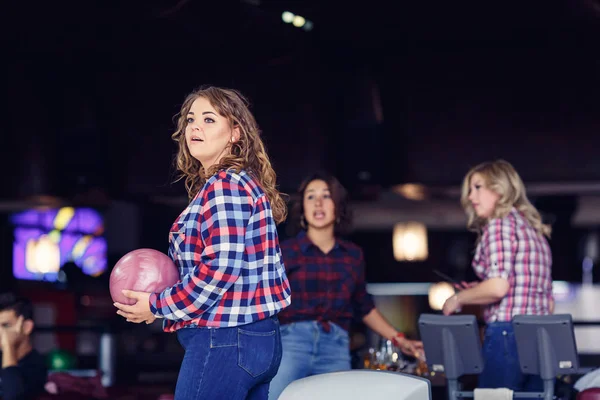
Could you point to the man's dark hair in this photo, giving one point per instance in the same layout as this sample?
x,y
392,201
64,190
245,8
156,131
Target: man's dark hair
x,y
20,305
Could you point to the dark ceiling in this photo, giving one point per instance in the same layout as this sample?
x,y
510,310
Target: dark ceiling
x,y
92,86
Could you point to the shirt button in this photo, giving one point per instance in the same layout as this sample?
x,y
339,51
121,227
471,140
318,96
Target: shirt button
x,y
504,333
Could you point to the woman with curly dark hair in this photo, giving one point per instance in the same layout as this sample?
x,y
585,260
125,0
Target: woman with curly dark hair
x,y
233,282
327,276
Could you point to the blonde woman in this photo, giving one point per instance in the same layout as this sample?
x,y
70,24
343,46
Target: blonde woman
x,y
513,261
233,282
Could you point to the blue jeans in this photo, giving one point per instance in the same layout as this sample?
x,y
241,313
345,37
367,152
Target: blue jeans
x,y
501,362
229,363
309,350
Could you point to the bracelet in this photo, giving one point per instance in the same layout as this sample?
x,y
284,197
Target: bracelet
x,y
395,340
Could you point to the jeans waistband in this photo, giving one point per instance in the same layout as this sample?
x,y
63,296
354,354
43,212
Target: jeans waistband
x,y
499,324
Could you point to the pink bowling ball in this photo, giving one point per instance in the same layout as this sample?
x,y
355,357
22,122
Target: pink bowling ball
x,y
142,270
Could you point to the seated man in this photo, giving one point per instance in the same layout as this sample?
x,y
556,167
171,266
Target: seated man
x,y
24,370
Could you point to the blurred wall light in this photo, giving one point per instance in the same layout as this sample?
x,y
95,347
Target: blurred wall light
x,y
308,26
298,21
439,293
411,191
410,241
42,256
287,17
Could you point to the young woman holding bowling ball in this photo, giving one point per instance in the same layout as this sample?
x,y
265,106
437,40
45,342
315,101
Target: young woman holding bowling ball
x,y
233,282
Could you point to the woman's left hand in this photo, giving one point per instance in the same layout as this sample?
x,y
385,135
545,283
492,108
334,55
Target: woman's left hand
x,y
451,305
138,312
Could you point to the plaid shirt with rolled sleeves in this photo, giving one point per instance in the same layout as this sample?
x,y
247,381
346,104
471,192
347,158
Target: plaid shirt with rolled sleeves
x,y
512,249
226,247
327,287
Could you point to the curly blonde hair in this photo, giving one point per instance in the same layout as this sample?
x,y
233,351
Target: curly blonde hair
x,y
501,177
247,153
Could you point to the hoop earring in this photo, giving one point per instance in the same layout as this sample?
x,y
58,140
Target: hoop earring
x,y
236,148
303,222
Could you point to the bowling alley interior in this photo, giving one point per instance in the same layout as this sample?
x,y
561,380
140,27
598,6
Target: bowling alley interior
x,y
421,113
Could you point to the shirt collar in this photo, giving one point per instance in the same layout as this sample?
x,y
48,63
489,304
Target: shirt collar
x,y
305,243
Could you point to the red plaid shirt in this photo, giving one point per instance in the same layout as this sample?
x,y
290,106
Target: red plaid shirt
x,y
326,287
226,246
512,249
